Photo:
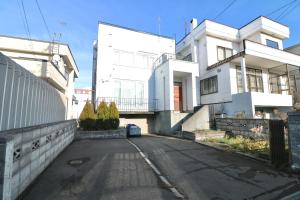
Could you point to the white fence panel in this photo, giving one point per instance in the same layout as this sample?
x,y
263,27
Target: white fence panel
x,y
26,100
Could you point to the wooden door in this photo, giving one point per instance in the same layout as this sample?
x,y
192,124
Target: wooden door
x,y
177,97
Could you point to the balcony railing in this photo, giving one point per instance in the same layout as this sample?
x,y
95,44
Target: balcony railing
x,y
164,58
130,104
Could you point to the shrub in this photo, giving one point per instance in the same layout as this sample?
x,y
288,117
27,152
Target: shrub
x,y
87,117
113,117
102,113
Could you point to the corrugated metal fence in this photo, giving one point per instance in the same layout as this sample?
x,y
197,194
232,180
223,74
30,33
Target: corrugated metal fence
x,y
26,100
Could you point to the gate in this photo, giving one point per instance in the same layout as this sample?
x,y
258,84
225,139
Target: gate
x,y
278,153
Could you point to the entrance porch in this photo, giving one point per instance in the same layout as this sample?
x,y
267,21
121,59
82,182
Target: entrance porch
x,y
175,86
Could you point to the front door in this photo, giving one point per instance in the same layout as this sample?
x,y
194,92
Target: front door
x,y
177,97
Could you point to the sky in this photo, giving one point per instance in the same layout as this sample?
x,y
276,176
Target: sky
x,y
77,20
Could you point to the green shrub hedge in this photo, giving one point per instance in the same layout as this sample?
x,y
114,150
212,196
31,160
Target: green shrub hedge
x,y
87,117
105,118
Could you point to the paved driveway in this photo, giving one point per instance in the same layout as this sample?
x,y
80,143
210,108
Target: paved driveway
x,y
201,172
114,169
98,169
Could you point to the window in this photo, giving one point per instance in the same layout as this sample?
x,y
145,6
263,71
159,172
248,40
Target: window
x,y
141,60
280,84
271,43
254,80
209,85
223,53
123,58
128,89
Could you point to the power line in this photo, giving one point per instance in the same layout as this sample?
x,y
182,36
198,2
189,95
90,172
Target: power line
x,y
225,9
43,17
22,18
288,11
282,7
26,21
284,12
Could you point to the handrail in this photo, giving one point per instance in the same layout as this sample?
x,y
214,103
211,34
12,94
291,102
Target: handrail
x,y
131,104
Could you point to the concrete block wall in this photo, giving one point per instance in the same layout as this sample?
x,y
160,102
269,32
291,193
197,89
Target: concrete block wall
x,y
119,133
294,139
28,151
253,128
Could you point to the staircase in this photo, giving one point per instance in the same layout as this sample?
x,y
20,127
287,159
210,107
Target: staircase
x,y
197,120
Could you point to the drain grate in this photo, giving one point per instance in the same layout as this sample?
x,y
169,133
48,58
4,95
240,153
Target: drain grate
x,y
78,161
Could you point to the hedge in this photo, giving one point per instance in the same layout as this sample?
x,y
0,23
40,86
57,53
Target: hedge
x,y
105,118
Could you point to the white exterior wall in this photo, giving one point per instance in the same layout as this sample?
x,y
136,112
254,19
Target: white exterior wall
x,y
119,58
179,71
209,35
224,83
212,43
163,82
37,57
82,95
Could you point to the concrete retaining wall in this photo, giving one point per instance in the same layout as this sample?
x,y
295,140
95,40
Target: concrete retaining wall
x,y
294,139
106,134
253,128
26,152
144,121
199,120
168,122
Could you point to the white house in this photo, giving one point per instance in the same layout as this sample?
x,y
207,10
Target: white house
x,y
123,71
241,70
50,61
233,71
82,95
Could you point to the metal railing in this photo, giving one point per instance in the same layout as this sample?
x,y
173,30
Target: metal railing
x,y
130,104
26,100
164,58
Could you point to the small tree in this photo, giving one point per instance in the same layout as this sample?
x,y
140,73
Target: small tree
x,y
87,117
102,116
114,120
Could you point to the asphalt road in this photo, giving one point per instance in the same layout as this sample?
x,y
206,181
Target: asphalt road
x,y
98,169
201,172
114,169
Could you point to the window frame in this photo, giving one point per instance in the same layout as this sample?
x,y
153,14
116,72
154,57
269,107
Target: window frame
x,y
121,89
224,52
209,83
250,72
272,41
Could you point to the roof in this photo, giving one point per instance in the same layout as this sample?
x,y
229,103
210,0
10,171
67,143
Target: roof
x,y
135,30
230,26
44,41
292,47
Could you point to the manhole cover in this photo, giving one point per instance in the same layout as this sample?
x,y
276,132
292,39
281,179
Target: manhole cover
x,y
78,161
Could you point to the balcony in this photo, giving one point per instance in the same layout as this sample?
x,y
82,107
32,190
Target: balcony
x,y
50,72
264,99
260,52
131,105
164,58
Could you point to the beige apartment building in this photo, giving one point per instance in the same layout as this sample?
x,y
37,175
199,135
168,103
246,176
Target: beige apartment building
x,y
51,61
